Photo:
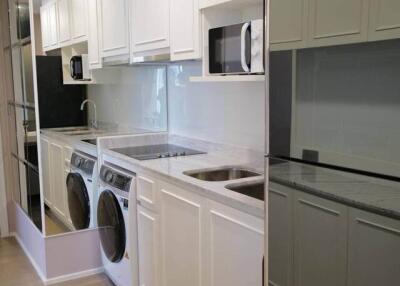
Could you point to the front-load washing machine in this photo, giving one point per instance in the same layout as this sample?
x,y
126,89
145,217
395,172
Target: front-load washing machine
x,y
116,218
82,191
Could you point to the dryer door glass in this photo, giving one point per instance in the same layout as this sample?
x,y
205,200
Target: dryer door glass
x,y
111,226
78,201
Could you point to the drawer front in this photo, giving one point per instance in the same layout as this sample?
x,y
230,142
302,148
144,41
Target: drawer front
x,y
146,192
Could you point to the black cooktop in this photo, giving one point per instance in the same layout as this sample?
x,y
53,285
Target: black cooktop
x,y
90,141
149,152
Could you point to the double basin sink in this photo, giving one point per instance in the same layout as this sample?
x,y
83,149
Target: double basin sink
x,y
254,189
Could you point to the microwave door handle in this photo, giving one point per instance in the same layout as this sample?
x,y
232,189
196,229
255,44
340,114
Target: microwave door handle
x,y
243,47
71,68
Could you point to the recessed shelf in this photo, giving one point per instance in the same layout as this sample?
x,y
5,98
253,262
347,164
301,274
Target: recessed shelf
x,y
228,78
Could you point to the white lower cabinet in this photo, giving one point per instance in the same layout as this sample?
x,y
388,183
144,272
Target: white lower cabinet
x,y
236,247
320,246
374,248
149,247
55,158
280,235
182,229
191,240
57,178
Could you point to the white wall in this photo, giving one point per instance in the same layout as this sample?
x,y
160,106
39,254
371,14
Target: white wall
x,y
134,98
230,113
348,105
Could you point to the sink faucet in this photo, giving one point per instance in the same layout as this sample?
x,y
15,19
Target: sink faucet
x,y
94,120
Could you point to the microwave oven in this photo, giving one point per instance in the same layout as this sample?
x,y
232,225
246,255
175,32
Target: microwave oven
x,y
236,49
79,67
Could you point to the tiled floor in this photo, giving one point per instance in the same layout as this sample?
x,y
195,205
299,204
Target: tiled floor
x,y
16,270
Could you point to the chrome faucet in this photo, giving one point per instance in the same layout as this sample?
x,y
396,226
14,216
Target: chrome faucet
x,y
94,120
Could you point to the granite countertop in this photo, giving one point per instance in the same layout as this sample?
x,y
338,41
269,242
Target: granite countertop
x,y
171,170
367,193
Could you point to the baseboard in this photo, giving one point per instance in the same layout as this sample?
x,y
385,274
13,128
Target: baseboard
x,y
33,262
57,279
73,276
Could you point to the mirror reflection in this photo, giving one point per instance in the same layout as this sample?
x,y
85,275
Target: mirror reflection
x,y
22,112
77,107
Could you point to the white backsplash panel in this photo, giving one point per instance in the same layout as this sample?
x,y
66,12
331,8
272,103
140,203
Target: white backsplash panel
x,y
135,98
229,113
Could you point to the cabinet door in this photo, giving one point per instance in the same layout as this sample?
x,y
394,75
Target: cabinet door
x,y
374,247
236,247
93,36
46,176
57,180
150,20
320,251
384,20
114,27
288,24
148,247
52,25
337,22
181,237
185,29
44,19
64,21
79,19
280,235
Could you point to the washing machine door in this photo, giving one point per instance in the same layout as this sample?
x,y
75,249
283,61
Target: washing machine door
x,y
78,201
111,226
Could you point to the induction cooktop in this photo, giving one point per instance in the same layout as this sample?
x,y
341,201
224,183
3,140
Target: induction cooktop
x,y
149,152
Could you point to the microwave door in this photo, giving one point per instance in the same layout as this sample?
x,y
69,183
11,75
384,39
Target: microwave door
x,y
225,49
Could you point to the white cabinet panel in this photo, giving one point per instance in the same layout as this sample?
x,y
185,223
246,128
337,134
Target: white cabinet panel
x,y
57,180
384,20
64,21
181,232
79,19
337,22
150,25
280,235
320,250
236,246
46,176
288,24
147,192
93,35
114,27
374,247
148,247
44,18
185,35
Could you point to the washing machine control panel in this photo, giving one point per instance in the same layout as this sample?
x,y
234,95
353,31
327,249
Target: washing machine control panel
x,y
115,179
82,163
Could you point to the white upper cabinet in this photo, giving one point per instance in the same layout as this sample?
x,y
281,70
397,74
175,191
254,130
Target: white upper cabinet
x,y
150,25
185,26
337,22
64,21
79,19
93,35
288,24
114,27
49,22
384,20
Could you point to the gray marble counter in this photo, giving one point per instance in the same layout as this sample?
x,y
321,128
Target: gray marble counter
x,y
171,169
371,194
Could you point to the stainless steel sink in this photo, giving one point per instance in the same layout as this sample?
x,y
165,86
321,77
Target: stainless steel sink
x,y
254,189
222,174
